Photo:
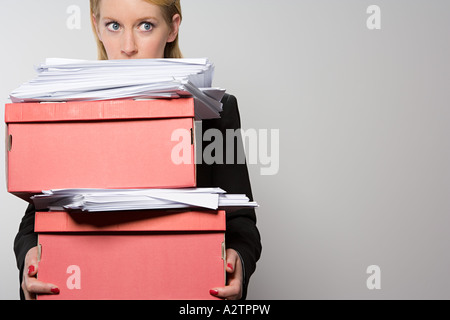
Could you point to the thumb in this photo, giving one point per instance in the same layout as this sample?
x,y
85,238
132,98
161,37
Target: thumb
x,y
31,262
232,260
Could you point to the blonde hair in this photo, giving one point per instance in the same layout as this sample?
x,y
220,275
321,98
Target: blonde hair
x,y
169,8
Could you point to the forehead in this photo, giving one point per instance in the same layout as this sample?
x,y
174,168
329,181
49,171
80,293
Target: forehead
x,y
129,9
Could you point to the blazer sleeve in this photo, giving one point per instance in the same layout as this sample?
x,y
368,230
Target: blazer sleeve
x,y
242,234
25,239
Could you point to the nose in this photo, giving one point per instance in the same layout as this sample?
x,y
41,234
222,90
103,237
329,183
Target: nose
x,y
129,47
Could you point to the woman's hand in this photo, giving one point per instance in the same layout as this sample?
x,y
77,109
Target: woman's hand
x,y
233,290
30,285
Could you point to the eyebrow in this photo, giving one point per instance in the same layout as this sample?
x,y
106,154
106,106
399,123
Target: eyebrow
x,y
140,19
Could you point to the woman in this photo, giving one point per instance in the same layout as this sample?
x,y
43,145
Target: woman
x,y
145,29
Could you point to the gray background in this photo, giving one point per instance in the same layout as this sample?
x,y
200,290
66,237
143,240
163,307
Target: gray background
x,y
364,133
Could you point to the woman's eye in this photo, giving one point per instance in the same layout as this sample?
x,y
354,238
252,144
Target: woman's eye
x,y
146,26
113,26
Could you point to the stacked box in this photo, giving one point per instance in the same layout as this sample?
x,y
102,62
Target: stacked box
x,y
136,255
121,144
106,145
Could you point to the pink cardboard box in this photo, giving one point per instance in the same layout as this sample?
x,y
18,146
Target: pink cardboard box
x,y
122,144
138,255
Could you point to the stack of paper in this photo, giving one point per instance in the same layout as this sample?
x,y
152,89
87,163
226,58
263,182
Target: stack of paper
x,y
62,80
99,200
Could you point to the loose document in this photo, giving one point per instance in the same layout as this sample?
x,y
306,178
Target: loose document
x,y
63,80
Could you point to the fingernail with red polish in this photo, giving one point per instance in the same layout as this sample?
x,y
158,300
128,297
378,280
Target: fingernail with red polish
x,y
230,266
213,292
30,270
55,290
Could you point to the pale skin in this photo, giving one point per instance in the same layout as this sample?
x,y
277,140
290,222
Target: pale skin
x,y
134,29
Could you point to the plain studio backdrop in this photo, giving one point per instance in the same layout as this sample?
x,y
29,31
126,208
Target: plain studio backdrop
x,y
360,98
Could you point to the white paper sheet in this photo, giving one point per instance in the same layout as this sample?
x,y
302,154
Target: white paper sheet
x,y
63,80
95,200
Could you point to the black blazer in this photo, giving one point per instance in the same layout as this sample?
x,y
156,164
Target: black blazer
x,y
242,234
